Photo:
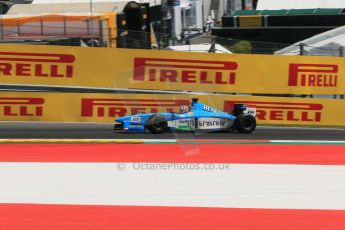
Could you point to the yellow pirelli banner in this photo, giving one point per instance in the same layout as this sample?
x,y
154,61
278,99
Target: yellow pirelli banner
x,y
170,70
78,107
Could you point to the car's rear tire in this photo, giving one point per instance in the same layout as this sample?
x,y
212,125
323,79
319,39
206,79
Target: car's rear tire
x,y
245,123
157,124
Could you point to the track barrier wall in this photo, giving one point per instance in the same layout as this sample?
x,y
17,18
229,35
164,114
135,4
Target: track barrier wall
x,y
94,107
168,70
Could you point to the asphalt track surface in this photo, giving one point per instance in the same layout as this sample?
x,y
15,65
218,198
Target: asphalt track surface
x,y
49,130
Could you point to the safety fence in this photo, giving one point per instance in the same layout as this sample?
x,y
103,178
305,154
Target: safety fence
x,y
94,107
169,70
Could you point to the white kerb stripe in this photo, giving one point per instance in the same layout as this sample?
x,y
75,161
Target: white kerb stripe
x,y
241,186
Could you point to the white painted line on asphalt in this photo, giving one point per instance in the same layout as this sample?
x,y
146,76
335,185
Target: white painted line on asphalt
x,y
307,141
161,140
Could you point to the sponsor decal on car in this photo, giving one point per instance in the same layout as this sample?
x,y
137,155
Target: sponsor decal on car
x,y
186,122
251,111
212,110
213,123
185,71
190,122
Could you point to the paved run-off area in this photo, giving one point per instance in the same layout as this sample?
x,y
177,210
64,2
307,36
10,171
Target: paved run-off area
x,y
181,185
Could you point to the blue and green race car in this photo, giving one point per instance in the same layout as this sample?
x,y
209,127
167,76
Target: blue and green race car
x,y
194,117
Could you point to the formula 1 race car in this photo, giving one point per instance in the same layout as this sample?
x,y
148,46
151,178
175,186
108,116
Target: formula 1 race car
x,y
197,116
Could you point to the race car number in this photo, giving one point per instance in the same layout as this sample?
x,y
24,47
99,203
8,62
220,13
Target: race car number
x,y
135,119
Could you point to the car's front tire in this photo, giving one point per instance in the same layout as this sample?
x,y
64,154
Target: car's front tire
x,y
157,124
245,123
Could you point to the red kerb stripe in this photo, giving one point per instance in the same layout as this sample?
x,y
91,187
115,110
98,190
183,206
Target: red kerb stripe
x,y
77,217
175,153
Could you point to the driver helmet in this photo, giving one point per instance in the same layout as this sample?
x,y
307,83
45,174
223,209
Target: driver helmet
x,y
184,109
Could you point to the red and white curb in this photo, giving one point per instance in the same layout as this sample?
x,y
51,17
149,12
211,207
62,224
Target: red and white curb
x,y
89,186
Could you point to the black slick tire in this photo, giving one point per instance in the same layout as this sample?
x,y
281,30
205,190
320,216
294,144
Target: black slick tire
x,y
157,124
245,123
